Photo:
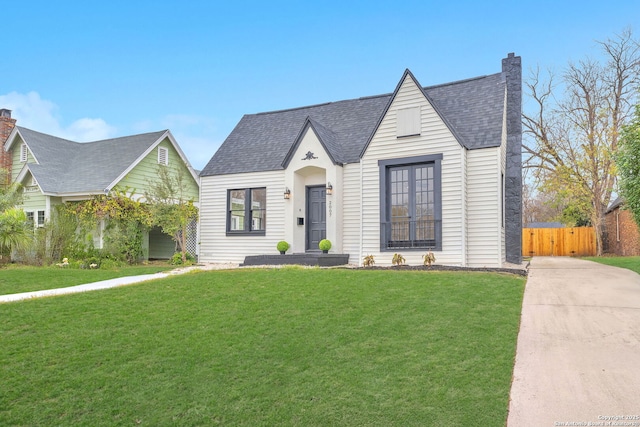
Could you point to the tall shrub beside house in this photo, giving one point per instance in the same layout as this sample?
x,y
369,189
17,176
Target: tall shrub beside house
x,y
13,222
628,163
125,221
170,208
13,232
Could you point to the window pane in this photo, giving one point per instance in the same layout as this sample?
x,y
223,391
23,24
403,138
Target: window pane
x,y
399,205
424,224
237,209
258,208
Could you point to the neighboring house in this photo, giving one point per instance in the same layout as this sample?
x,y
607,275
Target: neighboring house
x,y
54,170
544,225
424,168
622,237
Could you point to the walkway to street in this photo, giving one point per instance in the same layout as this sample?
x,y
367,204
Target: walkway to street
x,y
578,352
111,283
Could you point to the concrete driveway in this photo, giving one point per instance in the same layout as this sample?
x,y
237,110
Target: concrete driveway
x,y
578,353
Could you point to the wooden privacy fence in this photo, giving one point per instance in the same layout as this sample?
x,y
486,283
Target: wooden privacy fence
x,y
577,241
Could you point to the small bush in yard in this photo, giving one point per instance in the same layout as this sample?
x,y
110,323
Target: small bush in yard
x,y
176,259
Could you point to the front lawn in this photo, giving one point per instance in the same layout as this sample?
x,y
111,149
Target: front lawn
x,y
629,262
286,347
15,279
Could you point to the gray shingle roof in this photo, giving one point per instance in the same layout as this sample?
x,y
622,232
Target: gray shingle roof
x,y
71,167
260,142
616,203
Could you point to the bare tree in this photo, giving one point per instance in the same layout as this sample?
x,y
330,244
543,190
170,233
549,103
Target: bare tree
x,y
571,140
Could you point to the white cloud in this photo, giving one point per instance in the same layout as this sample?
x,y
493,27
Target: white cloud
x,y
33,112
90,130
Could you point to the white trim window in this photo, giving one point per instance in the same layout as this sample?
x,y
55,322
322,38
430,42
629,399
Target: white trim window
x,y
163,156
40,218
30,218
24,154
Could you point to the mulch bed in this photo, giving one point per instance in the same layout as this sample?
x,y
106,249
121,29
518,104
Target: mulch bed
x,y
518,271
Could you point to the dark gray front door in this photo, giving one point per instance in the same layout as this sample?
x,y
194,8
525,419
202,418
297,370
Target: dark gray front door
x,y
316,216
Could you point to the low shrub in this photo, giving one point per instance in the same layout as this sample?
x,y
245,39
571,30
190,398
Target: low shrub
x,y
324,245
282,246
176,259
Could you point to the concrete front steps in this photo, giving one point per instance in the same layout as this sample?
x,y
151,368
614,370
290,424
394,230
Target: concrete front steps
x,y
310,258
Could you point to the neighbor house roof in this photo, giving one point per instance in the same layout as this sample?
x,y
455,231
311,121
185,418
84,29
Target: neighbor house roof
x,y
616,203
66,167
544,225
472,108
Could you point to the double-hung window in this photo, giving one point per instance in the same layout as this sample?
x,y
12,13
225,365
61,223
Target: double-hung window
x,y
411,203
30,218
40,218
247,211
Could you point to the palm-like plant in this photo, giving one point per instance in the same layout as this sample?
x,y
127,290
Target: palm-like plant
x,y
14,230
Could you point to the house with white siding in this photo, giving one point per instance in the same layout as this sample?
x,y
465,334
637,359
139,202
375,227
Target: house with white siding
x,y
422,169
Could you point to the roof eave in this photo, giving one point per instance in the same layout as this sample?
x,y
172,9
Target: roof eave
x,y
11,139
308,124
167,134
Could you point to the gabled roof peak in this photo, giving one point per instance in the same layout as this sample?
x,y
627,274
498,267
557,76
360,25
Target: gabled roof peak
x,y
472,109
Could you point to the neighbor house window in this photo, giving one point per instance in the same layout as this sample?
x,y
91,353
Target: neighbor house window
x,y
163,156
247,211
23,153
30,218
410,203
40,218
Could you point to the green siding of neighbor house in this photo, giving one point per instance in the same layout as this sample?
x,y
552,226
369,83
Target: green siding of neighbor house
x,y
137,180
17,165
34,200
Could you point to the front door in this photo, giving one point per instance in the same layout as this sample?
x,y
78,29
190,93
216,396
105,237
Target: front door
x,y
316,216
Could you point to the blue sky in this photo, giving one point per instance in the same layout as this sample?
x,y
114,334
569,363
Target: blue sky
x,y
94,70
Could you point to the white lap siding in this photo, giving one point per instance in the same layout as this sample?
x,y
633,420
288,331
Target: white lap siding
x,y
215,245
484,233
435,138
351,215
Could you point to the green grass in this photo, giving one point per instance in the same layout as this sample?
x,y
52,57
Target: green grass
x,y
16,279
629,262
286,347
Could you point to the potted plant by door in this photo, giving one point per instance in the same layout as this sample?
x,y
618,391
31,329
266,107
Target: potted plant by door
x,y
282,246
324,246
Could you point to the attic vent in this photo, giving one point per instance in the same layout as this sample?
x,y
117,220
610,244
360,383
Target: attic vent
x,y
23,153
163,156
408,122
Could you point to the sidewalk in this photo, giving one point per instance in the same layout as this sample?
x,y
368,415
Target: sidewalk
x,y
578,351
111,283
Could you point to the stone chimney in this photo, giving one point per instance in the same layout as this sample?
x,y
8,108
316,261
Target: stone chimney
x,y
6,126
512,70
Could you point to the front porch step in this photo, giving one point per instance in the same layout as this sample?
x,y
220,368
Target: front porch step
x,y
319,259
